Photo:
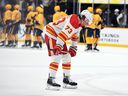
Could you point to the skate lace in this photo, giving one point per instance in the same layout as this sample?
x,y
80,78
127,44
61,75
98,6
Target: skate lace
x,y
70,80
53,80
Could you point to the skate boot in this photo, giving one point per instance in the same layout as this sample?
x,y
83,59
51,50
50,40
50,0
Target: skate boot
x,y
25,44
10,44
68,83
89,47
40,44
3,44
35,45
14,45
29,43
52,85
96,49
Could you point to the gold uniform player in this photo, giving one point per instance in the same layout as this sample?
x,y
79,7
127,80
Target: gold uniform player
x,y
38,27
7,25
29,26
89,31
98,26
16,18
58,13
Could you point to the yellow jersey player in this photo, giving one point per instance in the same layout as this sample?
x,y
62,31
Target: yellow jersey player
x,y
16,18
29,27
7,25
58,13
98,26
89,29
38,27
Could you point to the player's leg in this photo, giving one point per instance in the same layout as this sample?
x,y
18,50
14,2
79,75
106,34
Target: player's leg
x,y
16,35
26,37
39,38
66,66
29,37
89,39
54,64
35,39
96,39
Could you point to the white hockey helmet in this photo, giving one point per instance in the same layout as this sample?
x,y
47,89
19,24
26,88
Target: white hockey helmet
x,y
88,16
116,10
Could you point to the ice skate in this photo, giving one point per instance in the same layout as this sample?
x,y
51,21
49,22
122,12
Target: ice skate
x,y
9,45
95,49
14,45
52,85
37,47
88,50
2,45
68,83
24,45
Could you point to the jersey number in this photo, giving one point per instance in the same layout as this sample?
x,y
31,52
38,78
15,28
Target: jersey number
x,y
68,29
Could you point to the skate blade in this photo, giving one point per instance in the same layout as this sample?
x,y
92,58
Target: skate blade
x,y
49,87
66,86
95,51
88,51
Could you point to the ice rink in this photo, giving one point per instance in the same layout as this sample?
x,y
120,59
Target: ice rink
x,y
24,72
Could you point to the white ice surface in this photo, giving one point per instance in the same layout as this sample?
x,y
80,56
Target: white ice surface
x,y
24,72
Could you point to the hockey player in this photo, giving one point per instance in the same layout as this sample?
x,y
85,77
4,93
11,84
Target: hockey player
x,y
38,27
89,29
16,18
56,34
98,26
58,13
7,25
29,26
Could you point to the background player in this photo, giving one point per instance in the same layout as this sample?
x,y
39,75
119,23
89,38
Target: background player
x,y
7,25
98,21
89,29
58,13
29,26
16,19
38,27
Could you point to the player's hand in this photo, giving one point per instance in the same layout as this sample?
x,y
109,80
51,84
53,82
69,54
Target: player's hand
x,y
28,20
73,50
57,49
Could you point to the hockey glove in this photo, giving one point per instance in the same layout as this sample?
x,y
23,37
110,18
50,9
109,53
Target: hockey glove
x,y
72,50
28,20
57,49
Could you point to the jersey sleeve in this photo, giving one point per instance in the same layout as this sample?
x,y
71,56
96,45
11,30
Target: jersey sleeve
x,y
71,27
40,19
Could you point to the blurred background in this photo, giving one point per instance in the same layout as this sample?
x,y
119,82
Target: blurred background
x,y
114,15
109,8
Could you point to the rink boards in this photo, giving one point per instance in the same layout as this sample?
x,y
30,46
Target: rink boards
x,y
116,37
